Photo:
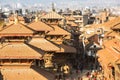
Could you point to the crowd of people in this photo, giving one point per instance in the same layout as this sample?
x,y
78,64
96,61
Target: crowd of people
x,y
84,70
62,72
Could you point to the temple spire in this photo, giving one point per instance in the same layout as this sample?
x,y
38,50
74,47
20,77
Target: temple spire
x,y
36,18
15,18
53,7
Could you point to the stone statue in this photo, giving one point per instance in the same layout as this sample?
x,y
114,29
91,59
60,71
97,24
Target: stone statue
x,y
66,69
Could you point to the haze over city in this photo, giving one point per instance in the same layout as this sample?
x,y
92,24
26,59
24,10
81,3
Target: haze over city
x,y
73,4
60,39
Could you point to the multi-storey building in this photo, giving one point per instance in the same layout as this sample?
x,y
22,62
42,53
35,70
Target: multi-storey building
x,y
109,56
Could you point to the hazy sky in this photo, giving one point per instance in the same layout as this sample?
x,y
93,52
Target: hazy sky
x,y
64,3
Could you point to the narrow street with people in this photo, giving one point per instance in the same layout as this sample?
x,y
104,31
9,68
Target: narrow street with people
x,y
85,70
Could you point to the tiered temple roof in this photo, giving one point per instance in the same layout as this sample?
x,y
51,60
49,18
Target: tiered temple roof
x,y
43,44
18,51
52,15
26,74
17,29
40,26
35,48
58,31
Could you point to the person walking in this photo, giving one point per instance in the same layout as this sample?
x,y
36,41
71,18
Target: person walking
x,y
81,68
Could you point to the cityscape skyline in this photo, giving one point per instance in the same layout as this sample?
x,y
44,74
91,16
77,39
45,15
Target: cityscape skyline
x,y
61,3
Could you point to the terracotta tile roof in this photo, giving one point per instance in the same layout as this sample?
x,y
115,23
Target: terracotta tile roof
x,y
18,51
111,53
105,57
112,23
118,61
66,49
117,26
52,15
15,30
39,26
112,43
58,31
20,18
43,44
70,18
112,34
107,25
0,27
26,74
71,23
108,56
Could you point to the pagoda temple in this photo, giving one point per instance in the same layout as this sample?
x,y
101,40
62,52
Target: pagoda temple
x,y
30,47
59,36
17,58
